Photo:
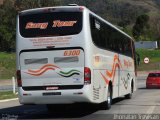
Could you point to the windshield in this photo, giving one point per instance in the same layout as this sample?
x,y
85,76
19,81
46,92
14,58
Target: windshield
x,y
50,24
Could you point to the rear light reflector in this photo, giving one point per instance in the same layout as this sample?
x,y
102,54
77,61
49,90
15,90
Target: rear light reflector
x,y
19,80
87,75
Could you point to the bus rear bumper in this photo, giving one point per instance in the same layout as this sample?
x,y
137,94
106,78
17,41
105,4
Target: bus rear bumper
x,y
55,96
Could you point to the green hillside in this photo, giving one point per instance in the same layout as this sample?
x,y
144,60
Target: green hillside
x,y
123,13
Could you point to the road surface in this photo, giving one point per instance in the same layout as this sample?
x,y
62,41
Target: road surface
x,y
144,102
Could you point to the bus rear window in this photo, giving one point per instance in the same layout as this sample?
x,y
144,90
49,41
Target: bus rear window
x,y
50,24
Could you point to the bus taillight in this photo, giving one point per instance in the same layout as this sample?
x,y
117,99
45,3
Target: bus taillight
x,y
19,80
87,75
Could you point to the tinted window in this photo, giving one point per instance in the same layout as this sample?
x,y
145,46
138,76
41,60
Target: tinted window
x,y
50,24
106,37
154,75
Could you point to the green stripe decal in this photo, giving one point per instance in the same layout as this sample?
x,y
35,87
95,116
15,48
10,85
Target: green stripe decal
x,y
67,73
70,73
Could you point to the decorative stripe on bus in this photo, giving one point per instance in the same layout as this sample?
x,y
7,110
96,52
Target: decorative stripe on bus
x,y
38,74
70,73
105,79
111,74
47,67
125,80
43,68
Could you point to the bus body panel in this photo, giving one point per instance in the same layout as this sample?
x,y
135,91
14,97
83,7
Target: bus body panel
x,y
126,74
53,67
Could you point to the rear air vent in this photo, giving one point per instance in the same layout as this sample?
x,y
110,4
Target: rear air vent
x,y
65,59
95,93
36,61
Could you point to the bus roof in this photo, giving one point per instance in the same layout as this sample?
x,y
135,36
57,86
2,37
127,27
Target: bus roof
x,y
55,9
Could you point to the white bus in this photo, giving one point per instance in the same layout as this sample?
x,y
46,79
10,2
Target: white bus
x,y
70,55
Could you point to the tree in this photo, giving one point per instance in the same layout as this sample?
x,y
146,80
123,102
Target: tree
x,y
141,27
7,25
8,13
29,4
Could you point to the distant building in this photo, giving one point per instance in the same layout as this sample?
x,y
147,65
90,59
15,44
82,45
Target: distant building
x,y
146,44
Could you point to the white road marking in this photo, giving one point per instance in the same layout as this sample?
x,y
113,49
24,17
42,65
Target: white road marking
x,y
8,100
150,110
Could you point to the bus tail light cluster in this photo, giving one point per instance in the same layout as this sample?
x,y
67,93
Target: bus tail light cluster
x,y
19,80
87,75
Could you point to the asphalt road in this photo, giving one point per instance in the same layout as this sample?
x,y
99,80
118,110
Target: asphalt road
x,y
144,102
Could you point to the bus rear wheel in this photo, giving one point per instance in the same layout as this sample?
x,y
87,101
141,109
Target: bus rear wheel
x,y
129,96
109,98
107,104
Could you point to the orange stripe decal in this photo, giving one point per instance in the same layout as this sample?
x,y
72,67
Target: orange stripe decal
x,y
38,74
105,79
45,66
116,66
111,74
42,70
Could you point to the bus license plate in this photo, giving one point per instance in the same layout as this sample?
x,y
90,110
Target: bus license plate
x,y
51,93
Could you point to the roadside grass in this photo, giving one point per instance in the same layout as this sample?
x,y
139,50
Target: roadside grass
x,y
7,65
154,59
7,95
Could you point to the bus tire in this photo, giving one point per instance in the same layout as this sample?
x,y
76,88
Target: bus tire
x,y
107,104
129,96
109,98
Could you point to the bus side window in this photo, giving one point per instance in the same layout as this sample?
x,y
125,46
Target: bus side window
x,y
94,31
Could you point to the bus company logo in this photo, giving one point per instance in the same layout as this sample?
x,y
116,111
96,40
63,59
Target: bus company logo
x,y
31,25
58,23
97,58
127,63
52,88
